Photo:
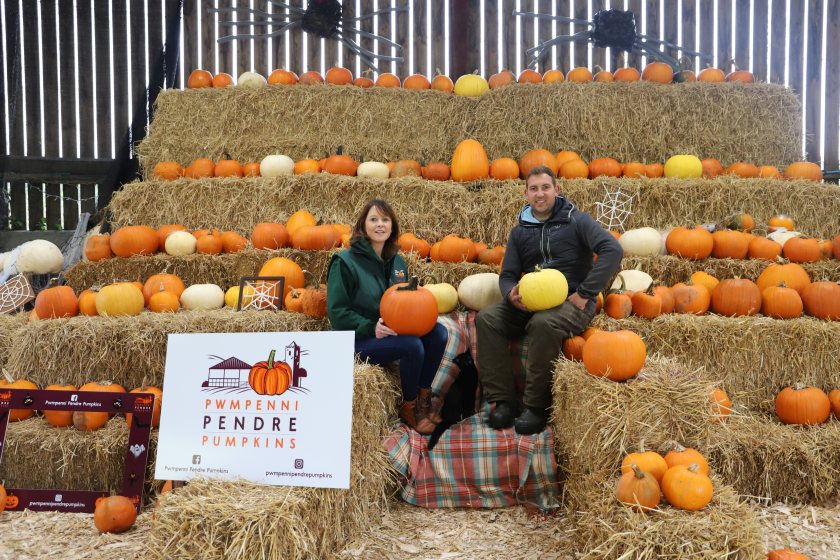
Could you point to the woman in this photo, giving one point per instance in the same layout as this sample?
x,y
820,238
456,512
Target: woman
x,y
356,280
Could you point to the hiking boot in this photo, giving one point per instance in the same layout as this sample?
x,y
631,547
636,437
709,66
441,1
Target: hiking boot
x,y
501,416
436,408
408,414
530,422
424,407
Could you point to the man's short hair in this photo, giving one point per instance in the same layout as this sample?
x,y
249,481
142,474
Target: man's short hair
x,y
541,170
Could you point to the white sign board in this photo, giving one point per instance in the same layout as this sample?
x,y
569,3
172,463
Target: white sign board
x,y
273,408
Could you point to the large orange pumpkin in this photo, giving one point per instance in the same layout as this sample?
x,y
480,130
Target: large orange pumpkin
x,y
56,302
232,242
289,269
803,405
617,355
469,162
537,158
736,297
804,170
822,300
299,219
270,377
168,282
314,238
114,514
802,250
691,298
134,240
267,235
696,243
456,249
638,489
604,167
793,275
409,309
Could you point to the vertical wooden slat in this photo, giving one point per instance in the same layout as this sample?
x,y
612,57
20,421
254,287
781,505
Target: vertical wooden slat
x,y
192,43
66,93
759,42
260,58
599,55
421,46
526,40
581,55
384,30
724,42
50,117
652,18
138,88
6,84
211,33
368,25
491,38
402,37
741,50
348,57
706,39
635,6
438,30
509,23
544,33
672,18
689,22
832,87
32,117
795,58
121,91
813,72
100,96
778,58
294,48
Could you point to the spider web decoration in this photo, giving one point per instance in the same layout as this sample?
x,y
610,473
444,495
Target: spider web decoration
x,y
263,292
616,208
14,293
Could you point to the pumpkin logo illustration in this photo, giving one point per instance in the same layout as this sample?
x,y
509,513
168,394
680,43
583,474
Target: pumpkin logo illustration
x,y
270,377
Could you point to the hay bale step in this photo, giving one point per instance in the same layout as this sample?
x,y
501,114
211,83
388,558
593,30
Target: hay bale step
x,y
483,210
226,269
127,350
594,119
755,356
760,457
240,520
9,326
38,455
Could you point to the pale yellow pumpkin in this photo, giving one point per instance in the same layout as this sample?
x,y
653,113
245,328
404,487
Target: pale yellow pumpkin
x,y
446,296
232,296
477,291
471,85
543,289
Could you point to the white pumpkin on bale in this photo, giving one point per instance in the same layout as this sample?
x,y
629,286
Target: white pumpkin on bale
x,y
445,294
477,291
633,281
374,169
543,289
251,80
180,243
276,165
782,235
39,257
202,297
641,242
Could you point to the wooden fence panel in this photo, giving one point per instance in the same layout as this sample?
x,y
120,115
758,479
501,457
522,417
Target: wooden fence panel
x,y
812,99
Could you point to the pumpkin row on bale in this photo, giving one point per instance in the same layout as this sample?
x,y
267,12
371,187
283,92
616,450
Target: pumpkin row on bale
x,y
173,239
682,475
807,406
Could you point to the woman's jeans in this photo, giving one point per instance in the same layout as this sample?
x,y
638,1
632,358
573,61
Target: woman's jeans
x,y
419,357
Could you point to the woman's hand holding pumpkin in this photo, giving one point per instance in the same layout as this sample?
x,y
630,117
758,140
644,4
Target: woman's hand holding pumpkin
x,y
383,330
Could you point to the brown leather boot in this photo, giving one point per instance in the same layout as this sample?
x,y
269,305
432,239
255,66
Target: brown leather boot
x,y
421,412
426,408
407,413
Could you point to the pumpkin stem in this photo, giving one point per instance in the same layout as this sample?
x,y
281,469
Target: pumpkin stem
x,y
313,281
639,473
674,445
271,359
693,467
642,445
412,285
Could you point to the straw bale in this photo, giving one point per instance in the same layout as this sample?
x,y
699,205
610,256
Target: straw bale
x,y
38,455
597,421
384,124
127,350
644,121
762,458
215,519
726,528
483,210
304,122
9,326
226,269
668,269
754,356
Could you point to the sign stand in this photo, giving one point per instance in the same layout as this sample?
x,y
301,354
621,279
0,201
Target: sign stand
x,y
82,501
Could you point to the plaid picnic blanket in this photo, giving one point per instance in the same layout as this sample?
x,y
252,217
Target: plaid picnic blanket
x,y
473,465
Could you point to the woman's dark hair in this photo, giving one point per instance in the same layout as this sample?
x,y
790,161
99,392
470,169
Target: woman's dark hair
x,y
391,245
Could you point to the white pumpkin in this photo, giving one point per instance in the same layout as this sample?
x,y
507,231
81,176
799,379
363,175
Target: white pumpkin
x,y
3,259
782,235
634,280
39,257
179,243
479,290
641,242
276,165
251,79
446,296
203,297
375,169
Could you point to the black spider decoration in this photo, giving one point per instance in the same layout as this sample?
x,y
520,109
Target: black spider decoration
x,y
609,28
323,18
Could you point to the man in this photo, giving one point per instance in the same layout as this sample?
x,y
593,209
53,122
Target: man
x,y
552,233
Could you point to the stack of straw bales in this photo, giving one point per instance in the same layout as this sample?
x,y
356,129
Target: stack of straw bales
x,y
597,422
388,125
9,327
128,350
483,210
239,520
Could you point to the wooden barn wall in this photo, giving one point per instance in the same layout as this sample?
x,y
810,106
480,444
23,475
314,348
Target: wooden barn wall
x,y
75,72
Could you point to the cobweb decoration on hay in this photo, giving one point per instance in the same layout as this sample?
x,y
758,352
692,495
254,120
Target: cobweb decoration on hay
x,y
322,18
261,293
614,211
15,293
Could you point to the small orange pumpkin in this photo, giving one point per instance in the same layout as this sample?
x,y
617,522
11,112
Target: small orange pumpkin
x,y
270,377
98,247
114,514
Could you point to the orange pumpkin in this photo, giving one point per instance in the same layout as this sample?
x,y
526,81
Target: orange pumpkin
x,y
89,421
769,172
59,418
164,231
469,162
222,79
307,166
834,398
804,170
793,275
627,74
696,243
573,348
678,454
781,302
311,78
232,242
742,76
314,238
270,377
268,235
339,76
417,81
200,79
409,242
529,76
781,221
785,554
87,303
574,169
711,168
721,403
436,171
363,82
604,167
691,298
168,170
251,169
633,169
667,297
493,256
579,74
18,414
763,248
658,72
743,169
200,168
537,158
406,168
56,303
685,487
98,247
164,302
134,240
313,301
456,249
802,250
409,309
210,244
654,170
169,282
500,79
293,302
711,75
504,169
443,83
617,355
822,300
114,514
289,269
387,80
282,77
649,461
729,243
638,489
736,297
805,406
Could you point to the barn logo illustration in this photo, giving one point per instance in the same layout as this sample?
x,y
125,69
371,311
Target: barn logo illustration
x,y
271,376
